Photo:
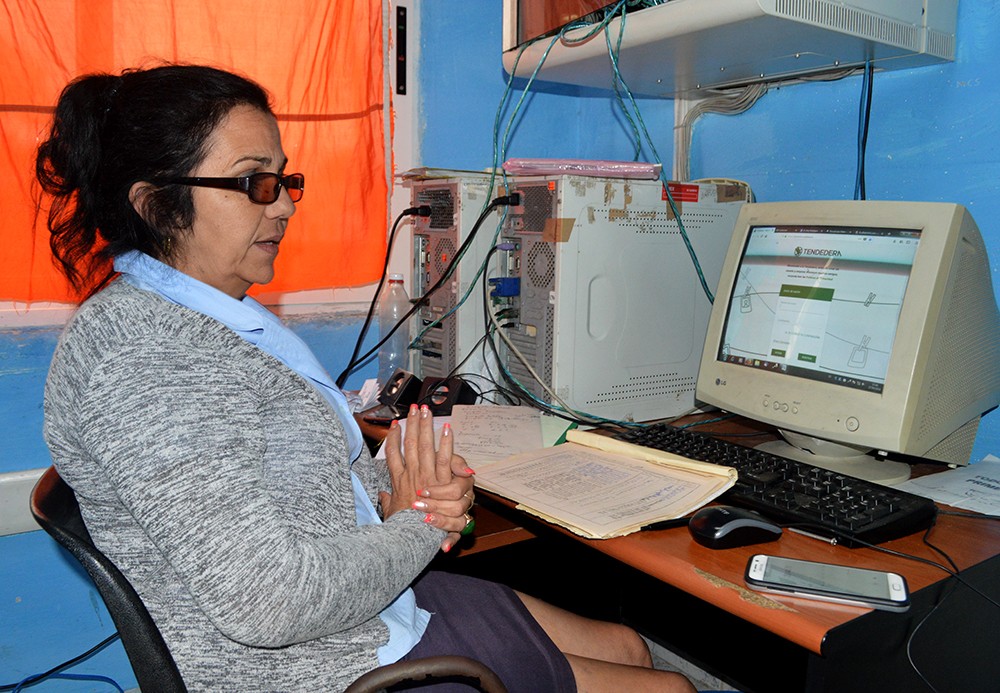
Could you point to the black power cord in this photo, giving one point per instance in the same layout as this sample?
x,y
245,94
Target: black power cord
x,y
421,211
864,118
356,361
35,678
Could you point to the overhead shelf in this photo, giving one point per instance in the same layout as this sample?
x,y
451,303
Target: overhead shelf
x,y
685,47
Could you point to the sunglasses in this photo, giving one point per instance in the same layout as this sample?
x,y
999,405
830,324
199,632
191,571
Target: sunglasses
x,y
261,188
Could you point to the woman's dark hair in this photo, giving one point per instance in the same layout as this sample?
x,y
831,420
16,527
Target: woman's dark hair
x,y
110,132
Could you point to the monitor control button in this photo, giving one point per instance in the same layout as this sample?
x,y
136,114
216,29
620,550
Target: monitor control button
x,y
853,424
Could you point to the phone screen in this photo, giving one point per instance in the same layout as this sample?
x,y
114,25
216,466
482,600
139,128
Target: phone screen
x,y
827,578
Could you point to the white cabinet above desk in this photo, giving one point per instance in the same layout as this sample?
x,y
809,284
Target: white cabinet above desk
x,y
683,47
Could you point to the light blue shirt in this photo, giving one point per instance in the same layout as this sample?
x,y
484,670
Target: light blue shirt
x,y
259,326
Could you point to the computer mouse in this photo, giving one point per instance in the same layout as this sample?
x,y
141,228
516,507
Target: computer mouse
x,y
725,527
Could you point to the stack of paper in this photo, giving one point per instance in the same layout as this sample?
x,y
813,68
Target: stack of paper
x,y
600,488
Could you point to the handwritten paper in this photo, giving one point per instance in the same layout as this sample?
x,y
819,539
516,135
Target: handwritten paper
x,y
484,434
487,433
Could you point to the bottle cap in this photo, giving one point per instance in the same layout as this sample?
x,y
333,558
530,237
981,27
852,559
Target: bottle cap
x,y
395,277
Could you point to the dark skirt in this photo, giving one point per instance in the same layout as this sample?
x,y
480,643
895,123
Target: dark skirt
x,y
488,622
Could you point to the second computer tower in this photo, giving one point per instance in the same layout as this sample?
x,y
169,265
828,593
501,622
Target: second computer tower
x,y
449,326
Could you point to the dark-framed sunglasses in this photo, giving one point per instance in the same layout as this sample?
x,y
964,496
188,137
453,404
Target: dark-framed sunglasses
x,y
261,188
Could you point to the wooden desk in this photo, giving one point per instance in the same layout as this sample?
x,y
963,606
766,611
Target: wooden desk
x,y
693,600
826,647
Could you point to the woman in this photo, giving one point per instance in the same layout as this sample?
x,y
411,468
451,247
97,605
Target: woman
x,y
215,461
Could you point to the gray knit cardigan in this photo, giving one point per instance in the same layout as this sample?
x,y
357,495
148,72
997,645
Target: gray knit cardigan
x,y
217,479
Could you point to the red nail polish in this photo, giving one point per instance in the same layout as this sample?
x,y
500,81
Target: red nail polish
x,y
428,518
393,423
446,429
470,470
446,548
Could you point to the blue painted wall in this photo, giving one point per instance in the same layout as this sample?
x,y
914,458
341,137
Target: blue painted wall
x,y
933,130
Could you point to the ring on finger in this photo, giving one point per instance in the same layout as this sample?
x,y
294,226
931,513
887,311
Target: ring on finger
x,y
469,525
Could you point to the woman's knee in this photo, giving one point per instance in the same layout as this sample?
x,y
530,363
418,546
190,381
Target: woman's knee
x,y
635,651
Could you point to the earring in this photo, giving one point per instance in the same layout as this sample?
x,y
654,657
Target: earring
x,y
167,245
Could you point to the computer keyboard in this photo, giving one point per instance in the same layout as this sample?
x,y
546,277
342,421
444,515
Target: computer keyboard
x,y
797,494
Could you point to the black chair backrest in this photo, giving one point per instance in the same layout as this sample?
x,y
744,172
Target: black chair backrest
x,y
55,508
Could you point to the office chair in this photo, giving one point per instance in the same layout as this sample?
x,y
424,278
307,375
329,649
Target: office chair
x,y
56,510
54,506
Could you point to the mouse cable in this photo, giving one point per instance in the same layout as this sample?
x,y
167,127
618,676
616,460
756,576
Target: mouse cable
x,y
422,211
952,572
970,515
950,590
916,629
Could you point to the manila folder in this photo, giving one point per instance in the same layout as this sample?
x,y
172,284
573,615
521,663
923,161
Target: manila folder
x,y
600,488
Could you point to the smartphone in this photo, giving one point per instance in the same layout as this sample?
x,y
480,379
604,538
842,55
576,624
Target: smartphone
x,y
828,582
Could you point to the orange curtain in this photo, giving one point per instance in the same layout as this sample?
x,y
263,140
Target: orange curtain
x,y
321,60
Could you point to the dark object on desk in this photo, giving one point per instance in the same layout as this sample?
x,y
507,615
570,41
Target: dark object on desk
x,y
826,503
726,527
667,524
381,416
441,394
402,390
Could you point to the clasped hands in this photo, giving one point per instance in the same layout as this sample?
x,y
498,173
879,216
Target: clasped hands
x,y
432,480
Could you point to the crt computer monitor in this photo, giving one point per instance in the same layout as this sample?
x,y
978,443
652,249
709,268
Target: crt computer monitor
x,y
865,331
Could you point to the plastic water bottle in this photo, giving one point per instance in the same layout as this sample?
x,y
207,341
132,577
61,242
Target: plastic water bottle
x,y
393,304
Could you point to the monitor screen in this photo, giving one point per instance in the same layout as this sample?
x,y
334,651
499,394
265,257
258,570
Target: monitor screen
x,y
819,302
866,332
